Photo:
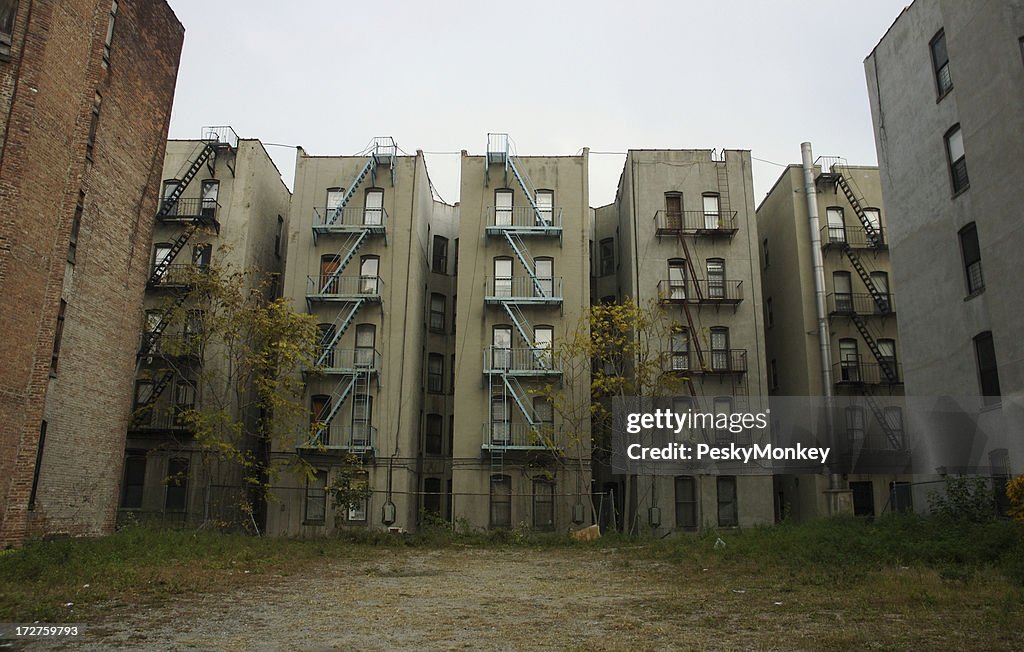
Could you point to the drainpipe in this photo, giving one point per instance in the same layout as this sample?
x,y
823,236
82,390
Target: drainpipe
x,y
835,481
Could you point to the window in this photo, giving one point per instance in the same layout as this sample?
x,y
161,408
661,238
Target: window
x,y
836,225
319,410
38,467
971,251
711,211
134,480
686,503
279,238
76,225
606,256
720,348
769,314
716,278
881,282
544,412
373,207
680,350
501,347
843,286
855,425
988,369
673,211
329,267
502,277
108,41
435,373
8,10
546,207
500,430
326,339
434,437
849,361
451,374
501,501
544,269
901,497
503,208
543,504
184,401
201,254
209,192
437,302
169,194
176,496
887,349
362,418
773,374
723,405
432,496
957,160
940,63
676,279
727,509
543,338
893,416
874,218
334,198
439,255
58,334
358,510
369,281
143,396
764,248
366,341
94,123
316,497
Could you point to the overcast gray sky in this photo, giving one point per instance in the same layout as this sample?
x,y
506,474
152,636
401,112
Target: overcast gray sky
x,y
556,75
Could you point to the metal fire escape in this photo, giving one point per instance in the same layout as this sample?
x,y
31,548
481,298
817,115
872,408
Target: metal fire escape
x,y
514,295
215,141
354,226
881,300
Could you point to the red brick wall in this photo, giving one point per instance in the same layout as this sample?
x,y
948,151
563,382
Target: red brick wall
x,y
42,169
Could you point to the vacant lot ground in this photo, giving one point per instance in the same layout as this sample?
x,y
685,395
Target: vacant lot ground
x,y
584,597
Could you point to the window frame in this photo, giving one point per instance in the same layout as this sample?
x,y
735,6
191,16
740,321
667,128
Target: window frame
x,y
970,253
988,367
502,500
439,255
180,478
436,317
435,373
686,522
130,489
940,65
543,505
433,433
606,256
959,179
732,505
315,496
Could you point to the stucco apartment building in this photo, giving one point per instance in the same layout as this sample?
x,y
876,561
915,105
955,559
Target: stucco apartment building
x,y
681,237
85,97
946,86
862,359
223,207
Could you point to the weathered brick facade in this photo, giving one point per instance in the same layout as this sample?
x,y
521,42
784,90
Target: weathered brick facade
x,y
49,163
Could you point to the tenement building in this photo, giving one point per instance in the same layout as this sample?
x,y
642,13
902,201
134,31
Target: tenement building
x,y
681,241
861,359
85,96
221,216
946,85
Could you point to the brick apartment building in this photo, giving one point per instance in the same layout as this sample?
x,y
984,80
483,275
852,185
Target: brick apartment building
x,y
85,96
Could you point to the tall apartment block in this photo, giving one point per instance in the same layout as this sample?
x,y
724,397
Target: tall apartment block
x,y
85,97
863,341
523,289
360,243
946,85
223,207
681,237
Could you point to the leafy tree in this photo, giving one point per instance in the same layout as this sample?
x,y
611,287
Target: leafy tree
x,y
242,352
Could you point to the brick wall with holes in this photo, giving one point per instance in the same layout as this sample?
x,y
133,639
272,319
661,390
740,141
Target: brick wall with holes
x,y
54,155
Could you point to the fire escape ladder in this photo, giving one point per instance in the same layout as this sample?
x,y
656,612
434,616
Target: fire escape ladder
x,y
890,434
497,460
884,364
158,389
874,237
723,186
161,268
185,177
881,300
370,168
698,296
525,329
523,254
519,395
346,254
341,324
151,339
526,185
345,385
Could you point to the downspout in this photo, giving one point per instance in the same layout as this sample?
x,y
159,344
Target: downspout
x,y
824,343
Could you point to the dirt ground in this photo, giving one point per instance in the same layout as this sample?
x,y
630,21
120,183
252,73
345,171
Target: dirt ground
x,y
487,599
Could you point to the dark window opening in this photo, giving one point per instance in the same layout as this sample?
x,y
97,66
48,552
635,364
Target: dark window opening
x,y
988,367
439,257
940,63
971,251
